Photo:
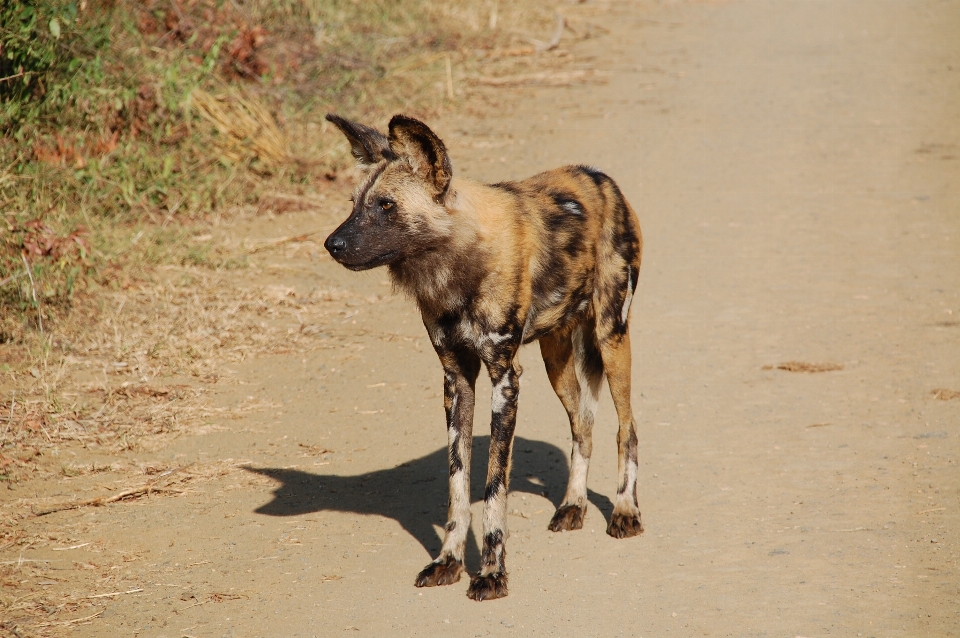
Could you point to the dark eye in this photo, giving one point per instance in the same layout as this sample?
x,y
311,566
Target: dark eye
x,y
386,204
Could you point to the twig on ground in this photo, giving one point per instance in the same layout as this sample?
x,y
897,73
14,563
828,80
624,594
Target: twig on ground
x,y
63,549
117,593
15,76
805,366
141,490
196,604
67,623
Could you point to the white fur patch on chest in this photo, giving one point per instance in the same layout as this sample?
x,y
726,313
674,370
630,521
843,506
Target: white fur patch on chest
x,y
495,337
471,333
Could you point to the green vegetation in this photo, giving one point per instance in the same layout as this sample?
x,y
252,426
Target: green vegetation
x,y
127,121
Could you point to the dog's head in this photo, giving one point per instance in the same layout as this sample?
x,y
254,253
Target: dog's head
x,y
398,210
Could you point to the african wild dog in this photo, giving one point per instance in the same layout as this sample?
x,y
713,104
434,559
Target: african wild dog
x,y
553,258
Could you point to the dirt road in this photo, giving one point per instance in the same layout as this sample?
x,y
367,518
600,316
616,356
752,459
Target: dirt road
x,y
795,165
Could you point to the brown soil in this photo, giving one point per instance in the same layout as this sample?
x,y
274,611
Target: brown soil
x,y
794,166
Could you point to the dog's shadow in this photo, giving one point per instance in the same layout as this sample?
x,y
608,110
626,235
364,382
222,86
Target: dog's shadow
x,y
415,493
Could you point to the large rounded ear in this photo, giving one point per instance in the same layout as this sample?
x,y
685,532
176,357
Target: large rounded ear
x,y
413,141
368,145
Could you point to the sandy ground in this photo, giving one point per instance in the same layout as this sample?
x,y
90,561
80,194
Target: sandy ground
x,y
795,166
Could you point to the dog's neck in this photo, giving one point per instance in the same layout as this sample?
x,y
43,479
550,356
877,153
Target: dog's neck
x,y
444,280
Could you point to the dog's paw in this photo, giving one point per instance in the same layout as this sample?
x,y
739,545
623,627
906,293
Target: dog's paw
x,y
625,525
567,518
488,587
445,572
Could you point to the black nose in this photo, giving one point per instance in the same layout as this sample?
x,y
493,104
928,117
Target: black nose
x,y
335,245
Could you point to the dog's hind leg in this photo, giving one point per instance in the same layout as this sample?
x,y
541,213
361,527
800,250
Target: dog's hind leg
x,y
575,368
460,370
618,270
625,520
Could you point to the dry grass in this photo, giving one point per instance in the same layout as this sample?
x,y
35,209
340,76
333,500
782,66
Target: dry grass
x,y
135,374
247,129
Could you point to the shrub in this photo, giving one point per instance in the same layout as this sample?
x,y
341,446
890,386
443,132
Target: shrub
x,y
47,47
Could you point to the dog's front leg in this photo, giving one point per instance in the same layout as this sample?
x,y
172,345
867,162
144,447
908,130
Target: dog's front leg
x,y
460,370
491,582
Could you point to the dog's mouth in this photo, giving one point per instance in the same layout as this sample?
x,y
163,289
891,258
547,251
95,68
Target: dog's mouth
x,y
380,260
